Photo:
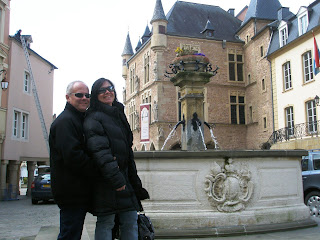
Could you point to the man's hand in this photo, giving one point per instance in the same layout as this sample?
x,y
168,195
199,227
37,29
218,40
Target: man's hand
x,y
121,189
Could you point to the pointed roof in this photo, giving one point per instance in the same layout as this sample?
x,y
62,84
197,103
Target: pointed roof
x,y
146,34
208,27
262,9
138,45
158,13
127,47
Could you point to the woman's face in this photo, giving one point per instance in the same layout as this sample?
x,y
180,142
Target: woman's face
x,y
106,93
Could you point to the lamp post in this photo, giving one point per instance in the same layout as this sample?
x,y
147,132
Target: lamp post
x,y
316,99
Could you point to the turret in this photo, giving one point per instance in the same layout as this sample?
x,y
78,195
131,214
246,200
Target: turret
x,y
126,54
159,28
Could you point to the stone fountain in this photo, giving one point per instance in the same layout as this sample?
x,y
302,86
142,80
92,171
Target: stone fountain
x,y
197,193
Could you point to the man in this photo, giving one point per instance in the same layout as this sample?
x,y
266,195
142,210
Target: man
x,y
69,163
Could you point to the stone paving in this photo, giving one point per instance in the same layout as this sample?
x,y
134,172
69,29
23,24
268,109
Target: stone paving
x,y
20,220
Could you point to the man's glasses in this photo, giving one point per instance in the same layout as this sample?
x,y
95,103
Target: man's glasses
x,y
103,90
80,95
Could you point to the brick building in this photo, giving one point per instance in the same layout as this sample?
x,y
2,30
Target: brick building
x,y
237,101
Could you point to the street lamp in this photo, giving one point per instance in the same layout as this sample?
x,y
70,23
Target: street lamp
x,y
316,99
4,83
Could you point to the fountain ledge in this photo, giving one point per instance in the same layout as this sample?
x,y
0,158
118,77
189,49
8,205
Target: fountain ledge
x,y
213,192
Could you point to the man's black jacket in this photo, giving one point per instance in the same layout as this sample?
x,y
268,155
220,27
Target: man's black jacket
x,y
69,163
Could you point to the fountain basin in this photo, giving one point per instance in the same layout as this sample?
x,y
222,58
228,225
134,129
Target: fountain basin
x,y
210,191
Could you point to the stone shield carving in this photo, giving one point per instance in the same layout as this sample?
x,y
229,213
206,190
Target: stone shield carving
x,y
227,188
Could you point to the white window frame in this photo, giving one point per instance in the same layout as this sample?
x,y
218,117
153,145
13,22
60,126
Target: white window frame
x,y
286,69
26,82
307,66
283,33
20,125
311,109
303,20
290,120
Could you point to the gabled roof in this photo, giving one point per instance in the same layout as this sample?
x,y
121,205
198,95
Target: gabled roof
x,y
127,47
188,19
293,28
262,9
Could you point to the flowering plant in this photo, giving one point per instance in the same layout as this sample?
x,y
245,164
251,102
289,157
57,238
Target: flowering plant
x,y
183,51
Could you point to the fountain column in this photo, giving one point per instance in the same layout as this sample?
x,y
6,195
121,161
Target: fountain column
x,y
192,84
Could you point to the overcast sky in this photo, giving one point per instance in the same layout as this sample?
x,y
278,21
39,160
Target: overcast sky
x,y
85,39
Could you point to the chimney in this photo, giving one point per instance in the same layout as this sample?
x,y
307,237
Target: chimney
x,y
283,12
231,11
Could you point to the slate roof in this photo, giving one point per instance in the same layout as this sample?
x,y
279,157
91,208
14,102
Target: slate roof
x,y
293,31
158,13
188,19
127,47
262,9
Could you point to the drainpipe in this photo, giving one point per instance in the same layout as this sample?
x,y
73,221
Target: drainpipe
x,y
271,81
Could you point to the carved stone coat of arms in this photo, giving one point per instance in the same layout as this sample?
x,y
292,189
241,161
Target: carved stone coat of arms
x,y
229,189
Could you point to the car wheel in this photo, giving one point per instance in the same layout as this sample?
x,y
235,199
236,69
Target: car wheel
x,y
312,200
34,201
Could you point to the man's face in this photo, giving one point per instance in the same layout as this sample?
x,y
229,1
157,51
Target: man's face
x,y
80,103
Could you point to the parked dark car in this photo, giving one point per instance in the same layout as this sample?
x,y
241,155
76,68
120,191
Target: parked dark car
x,y
310,166
41,188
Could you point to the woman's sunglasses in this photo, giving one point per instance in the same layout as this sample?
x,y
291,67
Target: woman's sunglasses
x,y
80,95
103,90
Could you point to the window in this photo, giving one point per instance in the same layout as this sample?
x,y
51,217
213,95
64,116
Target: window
x,y
146,68
162,29
26,82
303,20
307,67
250,114
132,79
20,127
235,66
289,121
287,76
237,105
264,123
249,79
132,113
146,97
261,51
124,61
311,116
283,33
263,85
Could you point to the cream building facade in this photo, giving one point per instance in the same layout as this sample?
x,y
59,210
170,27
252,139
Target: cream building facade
x,y
295,83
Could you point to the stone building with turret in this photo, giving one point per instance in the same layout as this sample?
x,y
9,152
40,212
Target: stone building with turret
x,y
237,101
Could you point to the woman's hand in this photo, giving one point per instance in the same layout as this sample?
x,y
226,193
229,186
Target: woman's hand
x,y
121,189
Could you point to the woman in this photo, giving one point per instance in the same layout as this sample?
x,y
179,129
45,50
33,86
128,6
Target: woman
x,y
118,189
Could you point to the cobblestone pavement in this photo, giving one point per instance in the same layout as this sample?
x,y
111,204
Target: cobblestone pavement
x,y
19,218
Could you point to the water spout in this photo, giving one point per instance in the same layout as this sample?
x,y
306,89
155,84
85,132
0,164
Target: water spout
x,y
202,137
216,145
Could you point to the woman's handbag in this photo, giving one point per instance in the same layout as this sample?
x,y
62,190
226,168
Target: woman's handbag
x,y
145,227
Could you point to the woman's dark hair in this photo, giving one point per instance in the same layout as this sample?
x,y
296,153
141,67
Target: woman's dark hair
x,y
94,102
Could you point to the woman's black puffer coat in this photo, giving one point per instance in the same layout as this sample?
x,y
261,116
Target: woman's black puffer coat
x,y
109,142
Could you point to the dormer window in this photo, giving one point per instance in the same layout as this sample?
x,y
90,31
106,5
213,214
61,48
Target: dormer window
x,y
303,20
283,33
